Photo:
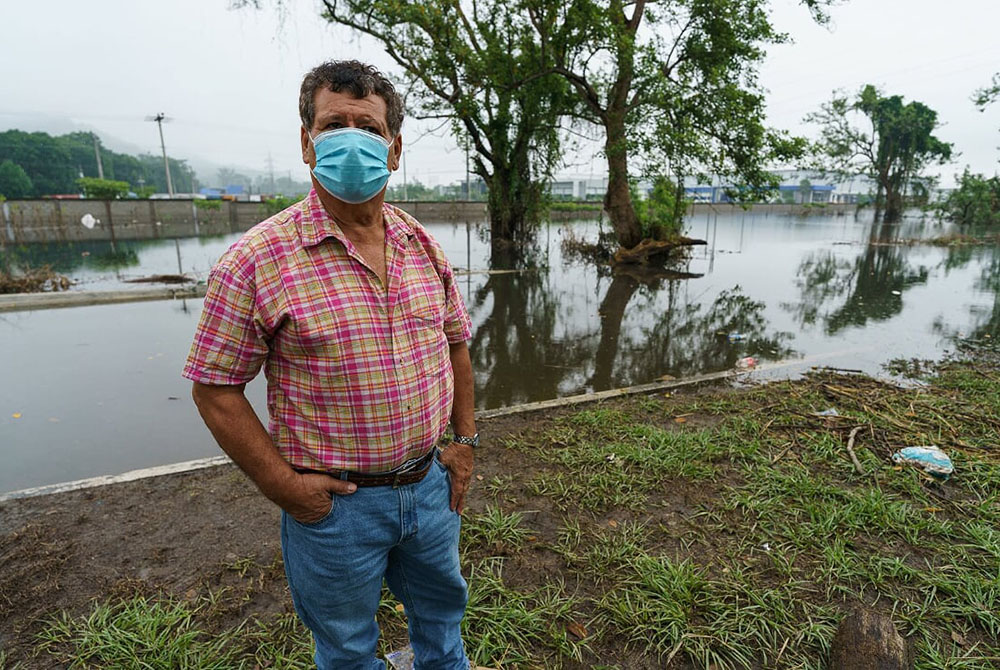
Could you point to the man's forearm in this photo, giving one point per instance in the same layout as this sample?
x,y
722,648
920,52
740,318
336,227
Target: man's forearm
x,y
463,418
235,426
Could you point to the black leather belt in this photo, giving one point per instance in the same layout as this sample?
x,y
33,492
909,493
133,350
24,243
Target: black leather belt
x,y
411,476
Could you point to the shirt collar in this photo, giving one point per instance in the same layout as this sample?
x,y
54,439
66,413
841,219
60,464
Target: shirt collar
x,y
316,224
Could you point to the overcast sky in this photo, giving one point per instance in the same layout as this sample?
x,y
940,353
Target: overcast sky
x,y
230,78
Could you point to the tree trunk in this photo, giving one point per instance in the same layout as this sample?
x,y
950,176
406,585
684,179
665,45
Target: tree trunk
x,y
618,199
512,204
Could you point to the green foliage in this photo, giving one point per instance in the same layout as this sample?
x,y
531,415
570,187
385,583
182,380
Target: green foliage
x,y
675,90
208,205
975,202
572,206
145,191
986,96
482,68
660,214
14,181
414,190
53,164
893,153
280,202
102,189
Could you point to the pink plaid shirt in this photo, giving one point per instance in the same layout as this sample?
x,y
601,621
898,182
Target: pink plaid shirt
x,y
358,377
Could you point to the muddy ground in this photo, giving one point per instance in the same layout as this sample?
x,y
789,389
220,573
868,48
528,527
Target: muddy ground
x,y
188,534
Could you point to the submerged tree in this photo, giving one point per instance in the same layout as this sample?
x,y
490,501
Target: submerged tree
x,y
687,104
894,152
477,67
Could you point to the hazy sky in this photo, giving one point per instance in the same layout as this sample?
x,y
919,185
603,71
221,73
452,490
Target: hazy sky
x,y
230,78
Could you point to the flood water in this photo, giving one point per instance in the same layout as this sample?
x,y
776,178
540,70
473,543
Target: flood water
x,y
98,389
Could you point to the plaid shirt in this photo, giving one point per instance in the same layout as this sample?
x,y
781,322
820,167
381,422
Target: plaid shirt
x,y
358,377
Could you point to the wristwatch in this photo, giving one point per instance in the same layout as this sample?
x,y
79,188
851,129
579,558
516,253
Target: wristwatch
x,y
465,439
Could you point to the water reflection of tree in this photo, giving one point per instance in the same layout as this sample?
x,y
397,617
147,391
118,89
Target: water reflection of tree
x,y
66,257
686,338
985,320
515,352
865,284
520,354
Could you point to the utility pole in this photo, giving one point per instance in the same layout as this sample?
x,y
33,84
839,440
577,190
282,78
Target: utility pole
x,y
270,170
468,192
160,118
97,153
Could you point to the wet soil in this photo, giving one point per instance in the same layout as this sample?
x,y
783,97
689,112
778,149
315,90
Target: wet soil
x,y
190,534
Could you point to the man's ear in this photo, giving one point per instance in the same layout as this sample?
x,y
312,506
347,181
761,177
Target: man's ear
x,y
308,151
396,153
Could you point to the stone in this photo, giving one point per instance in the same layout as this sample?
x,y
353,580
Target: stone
x,y
866,640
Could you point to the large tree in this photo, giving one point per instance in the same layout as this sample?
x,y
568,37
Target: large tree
x,y
673,86
893,149
476,66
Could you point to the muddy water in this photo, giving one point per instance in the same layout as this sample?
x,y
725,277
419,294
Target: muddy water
x,y
98,389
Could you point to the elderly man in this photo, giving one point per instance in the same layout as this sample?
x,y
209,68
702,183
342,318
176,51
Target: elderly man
x,y
352,309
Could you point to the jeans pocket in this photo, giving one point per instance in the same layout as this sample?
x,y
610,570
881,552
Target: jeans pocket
x,y
321,522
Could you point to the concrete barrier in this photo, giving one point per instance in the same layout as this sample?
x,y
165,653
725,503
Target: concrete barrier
x,y
28,221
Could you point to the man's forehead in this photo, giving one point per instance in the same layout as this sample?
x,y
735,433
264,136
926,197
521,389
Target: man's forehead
x,y
338,103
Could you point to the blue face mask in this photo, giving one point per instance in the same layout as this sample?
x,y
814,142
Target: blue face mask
x,y
351,164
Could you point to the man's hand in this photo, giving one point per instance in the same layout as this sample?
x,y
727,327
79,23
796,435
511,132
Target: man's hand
x,y
459,460
309,497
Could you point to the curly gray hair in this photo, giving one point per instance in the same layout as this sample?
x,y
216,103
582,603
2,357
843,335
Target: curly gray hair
x,y
360,79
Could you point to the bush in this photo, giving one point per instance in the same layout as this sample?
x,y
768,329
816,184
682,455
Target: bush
x,y
103,189
660,215
280,202
209,205
975,202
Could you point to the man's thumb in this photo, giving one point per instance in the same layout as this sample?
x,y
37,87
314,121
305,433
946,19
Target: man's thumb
x,y
342,486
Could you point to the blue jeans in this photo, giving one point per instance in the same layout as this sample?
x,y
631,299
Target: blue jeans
x,y
409,536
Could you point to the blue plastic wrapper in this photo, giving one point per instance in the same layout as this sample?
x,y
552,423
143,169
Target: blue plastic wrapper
x,y
931,460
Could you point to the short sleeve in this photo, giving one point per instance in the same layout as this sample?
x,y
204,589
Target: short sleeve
x,y
228,346
457,324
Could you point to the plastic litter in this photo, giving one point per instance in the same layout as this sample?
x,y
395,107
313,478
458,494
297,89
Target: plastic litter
x,y
747,363
931,460
829,411
897,293
89,221
400,660
736,337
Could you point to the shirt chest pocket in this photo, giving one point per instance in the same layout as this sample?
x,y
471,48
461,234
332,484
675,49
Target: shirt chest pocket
x,y
423,298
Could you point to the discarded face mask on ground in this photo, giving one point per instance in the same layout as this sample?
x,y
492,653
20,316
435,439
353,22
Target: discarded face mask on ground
x,y
931,460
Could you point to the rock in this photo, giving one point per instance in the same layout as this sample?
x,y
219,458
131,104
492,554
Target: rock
x,y
869,641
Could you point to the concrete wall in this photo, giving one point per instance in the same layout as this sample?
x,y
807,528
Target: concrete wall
x,y
26,221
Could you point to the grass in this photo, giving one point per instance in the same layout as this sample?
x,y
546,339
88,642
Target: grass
x,y
737,539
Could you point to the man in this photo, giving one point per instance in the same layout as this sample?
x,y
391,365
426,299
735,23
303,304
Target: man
x,y
352,309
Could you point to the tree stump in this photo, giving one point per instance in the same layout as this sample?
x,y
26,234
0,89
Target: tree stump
x,y
869,641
